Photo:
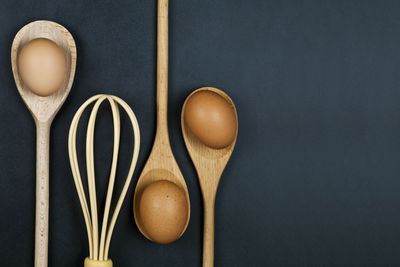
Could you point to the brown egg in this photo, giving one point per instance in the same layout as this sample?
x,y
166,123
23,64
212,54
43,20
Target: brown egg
x,y
42,66
163,211
211,119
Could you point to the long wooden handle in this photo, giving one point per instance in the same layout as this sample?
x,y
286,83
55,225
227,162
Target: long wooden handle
x,y
162,66
42,193
208,234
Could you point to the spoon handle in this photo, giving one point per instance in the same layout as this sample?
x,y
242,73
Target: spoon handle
x,y
162,67
42,193
208,234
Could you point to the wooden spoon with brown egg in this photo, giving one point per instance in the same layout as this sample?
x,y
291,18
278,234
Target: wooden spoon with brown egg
x,y
43,59
161,201
209,126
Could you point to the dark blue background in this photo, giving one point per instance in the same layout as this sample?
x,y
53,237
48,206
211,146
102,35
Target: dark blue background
x,y
314,178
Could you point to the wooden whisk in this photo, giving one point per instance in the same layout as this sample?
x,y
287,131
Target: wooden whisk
x,y
98,251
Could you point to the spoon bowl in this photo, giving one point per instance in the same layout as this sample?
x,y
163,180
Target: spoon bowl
x,y
43,110
209,164
152,172
196,148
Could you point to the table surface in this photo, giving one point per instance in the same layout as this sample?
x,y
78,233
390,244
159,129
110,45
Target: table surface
x,y
314,178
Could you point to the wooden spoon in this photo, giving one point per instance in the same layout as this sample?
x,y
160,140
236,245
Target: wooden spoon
x,y
43,110
209,164
161,164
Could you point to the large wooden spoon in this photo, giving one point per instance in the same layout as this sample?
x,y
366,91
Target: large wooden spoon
x,y
209,164
43,110
161,164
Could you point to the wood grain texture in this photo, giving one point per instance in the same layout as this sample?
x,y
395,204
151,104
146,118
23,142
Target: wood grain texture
x,y
209,164
161,164
43,110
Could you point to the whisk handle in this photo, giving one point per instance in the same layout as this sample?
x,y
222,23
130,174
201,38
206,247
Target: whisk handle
x,y
42,193
97,263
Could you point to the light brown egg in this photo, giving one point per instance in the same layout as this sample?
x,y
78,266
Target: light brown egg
x,y
163,211
42,66
211,119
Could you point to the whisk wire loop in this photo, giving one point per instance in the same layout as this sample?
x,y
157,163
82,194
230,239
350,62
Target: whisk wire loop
x,y
99,250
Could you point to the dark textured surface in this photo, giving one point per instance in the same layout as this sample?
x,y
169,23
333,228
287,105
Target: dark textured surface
x,y
314,179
